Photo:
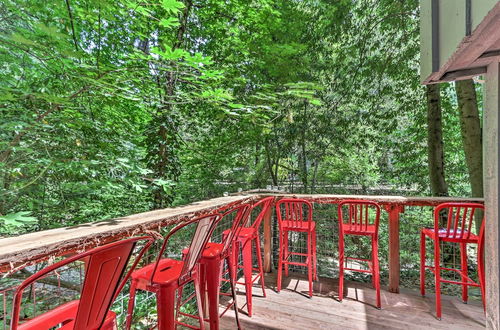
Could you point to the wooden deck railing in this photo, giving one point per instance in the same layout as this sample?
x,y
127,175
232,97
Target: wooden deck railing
x,y
394,205
21,251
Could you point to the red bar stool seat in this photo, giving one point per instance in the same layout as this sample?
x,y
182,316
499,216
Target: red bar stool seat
x,y
456,229
105,277
362,219
246,239
169,270
452,235
295,215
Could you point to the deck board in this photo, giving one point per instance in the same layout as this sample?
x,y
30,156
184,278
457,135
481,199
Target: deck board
x,y
291,309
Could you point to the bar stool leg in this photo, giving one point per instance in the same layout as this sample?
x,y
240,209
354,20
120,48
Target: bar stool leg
x,y
310,264
280,264
463,259
232,274
422,263
200,305
341,267
261,268
165,298
131,303
315,257
285,257
213,275
247,272
376,270
437,277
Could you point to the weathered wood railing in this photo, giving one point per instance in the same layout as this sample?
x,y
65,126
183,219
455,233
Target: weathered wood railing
x,y
21,251
18,252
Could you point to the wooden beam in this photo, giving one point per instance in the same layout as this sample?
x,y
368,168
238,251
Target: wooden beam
x,y
455,75
491,53
491,188
394,211
471,47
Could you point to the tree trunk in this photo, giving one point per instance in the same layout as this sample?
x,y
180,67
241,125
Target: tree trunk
x,y
303,154
470,124
166,163
435,141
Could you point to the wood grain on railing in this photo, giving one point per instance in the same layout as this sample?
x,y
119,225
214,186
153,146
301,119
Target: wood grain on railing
x,y
20,251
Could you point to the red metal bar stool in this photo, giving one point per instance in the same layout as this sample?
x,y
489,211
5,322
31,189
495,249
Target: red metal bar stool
x,y
247,236
458,229
212,264
296,216
104,279
166,276
362,219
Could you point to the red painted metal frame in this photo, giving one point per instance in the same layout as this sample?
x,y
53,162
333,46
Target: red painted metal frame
x,y
459,221
104,280
248,236
361,223
293,221
212,264
167,276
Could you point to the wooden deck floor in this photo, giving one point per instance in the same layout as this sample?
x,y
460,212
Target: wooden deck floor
x,y
292,309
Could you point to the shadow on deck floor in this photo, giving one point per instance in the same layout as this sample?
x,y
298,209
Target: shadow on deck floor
x,y
292,309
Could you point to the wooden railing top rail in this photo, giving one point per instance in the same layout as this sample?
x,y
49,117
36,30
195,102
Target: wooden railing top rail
x,y
20,251
384,200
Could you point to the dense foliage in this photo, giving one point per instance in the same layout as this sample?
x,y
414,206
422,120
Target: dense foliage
x,y
114,107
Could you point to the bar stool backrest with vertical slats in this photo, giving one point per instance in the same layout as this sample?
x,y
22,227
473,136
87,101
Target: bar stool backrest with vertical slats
x,y
361,217
459,219
296,212
205,225
104,279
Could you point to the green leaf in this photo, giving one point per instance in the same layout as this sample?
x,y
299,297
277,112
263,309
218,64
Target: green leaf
x,y
236,105
169,22
18,219
172,6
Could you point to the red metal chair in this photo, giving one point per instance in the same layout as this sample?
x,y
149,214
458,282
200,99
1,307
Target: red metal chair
x,y
297,217
459,221
212,264
104,279
247,236
362,219
165,276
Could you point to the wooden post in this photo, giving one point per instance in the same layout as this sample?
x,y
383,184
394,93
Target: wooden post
x,y
490,173
394,263
268,239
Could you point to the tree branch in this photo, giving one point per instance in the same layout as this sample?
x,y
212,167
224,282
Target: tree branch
x,y
72,25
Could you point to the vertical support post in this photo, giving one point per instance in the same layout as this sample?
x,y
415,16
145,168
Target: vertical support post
x,y
394,262
490,178
268,239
